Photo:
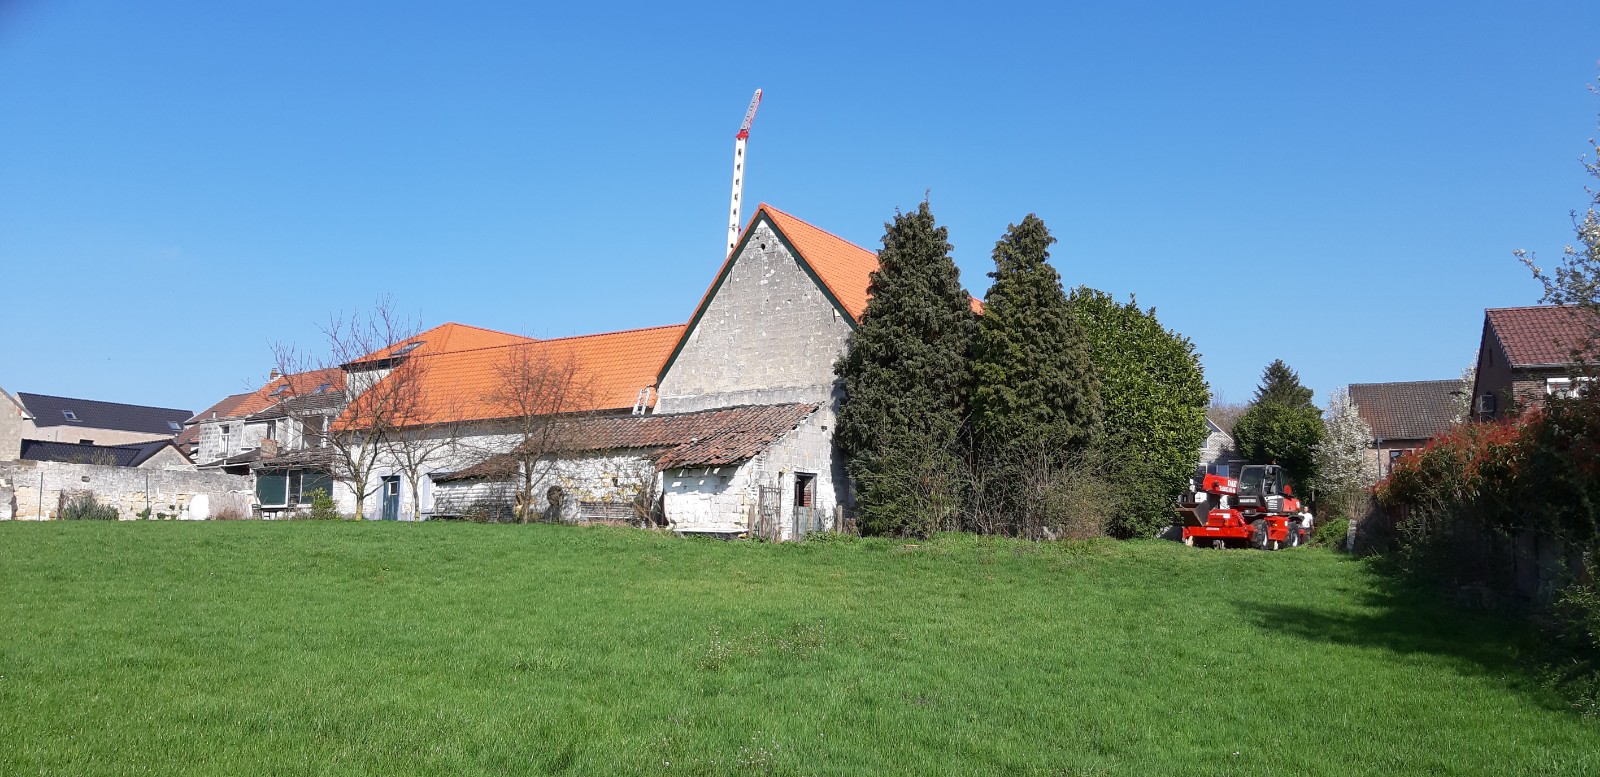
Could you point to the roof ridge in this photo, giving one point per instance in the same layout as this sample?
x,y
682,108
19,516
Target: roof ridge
x,y
474,326
536,341
803,222
1537,307
21,394
1408,382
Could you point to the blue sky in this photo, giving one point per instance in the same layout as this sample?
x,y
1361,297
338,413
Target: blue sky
x,y
1337,184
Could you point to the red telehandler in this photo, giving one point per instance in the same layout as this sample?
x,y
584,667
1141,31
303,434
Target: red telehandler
x,y
1257,509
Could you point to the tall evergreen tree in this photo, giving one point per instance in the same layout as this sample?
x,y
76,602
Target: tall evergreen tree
x,y
1281,385
905,382
1282,425
1033,382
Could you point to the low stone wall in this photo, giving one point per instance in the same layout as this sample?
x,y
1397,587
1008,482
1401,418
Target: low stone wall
x,y
35,491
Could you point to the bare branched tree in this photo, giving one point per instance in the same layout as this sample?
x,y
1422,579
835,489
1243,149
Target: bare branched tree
x,y
538,391
370,347
429,423
1224,413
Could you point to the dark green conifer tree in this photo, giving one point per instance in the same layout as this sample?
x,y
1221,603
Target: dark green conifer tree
x,y
905,378
1281,426
1281,385
1033,383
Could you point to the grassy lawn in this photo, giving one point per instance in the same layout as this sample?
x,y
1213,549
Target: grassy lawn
x,y
339,648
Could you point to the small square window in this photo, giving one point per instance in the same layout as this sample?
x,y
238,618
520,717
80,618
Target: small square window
x,y
71,416
175,426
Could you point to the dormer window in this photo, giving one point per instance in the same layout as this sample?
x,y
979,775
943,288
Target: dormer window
x,y
71,416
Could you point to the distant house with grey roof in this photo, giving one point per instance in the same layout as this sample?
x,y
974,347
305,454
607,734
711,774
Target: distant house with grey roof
x,y
1405,415
44,418
157,454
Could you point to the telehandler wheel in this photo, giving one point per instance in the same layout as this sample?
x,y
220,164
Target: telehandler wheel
x,y
1258,534
1296,534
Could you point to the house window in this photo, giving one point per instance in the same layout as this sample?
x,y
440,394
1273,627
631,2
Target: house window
x,y
71,416
1566,388
407,348
312,429
279,390
323,389
804,489
174,426
272,429
86,442
224,439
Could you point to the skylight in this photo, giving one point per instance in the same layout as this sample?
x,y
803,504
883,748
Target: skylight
x,y
323,389
174,426
71,416
280,389
407,348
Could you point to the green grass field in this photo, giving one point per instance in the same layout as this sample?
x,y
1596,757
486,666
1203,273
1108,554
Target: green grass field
x,y
247,648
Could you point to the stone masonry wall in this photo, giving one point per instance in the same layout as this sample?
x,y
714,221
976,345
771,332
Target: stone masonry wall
x,y
768,336
42,484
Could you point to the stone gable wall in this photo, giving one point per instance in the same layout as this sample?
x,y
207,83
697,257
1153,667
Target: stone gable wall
x,y
770,335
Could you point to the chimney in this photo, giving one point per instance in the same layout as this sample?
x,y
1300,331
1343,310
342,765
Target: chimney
x,y
274,375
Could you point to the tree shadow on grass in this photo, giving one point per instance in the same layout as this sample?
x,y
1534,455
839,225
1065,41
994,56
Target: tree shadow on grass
x,y
1399,616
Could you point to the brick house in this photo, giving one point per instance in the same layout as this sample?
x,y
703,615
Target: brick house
x,y
1405,415
1526,354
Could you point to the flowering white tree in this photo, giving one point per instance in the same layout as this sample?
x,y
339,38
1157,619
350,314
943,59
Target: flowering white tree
x,y
1343,470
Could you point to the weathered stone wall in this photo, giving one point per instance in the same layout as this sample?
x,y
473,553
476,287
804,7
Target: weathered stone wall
x,y
14,427
769,335
728,499
597,479
39,488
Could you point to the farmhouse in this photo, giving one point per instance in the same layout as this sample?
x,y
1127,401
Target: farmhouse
x,y
718,426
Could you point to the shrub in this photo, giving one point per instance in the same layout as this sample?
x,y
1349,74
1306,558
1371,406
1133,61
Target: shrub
x,y
82,506
322,507
1330,532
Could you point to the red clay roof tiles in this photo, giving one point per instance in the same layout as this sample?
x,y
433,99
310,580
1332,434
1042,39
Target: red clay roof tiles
x,y
1543,335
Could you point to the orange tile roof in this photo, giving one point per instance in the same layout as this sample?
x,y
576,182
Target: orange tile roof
x,y
844,267
285,386
448,338
611,368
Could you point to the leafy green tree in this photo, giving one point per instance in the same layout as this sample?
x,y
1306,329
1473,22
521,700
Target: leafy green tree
x,y
1155,395
1033,380
1282,426
905,376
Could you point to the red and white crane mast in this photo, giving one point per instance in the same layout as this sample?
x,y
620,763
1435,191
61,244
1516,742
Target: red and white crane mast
x,y
738,170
